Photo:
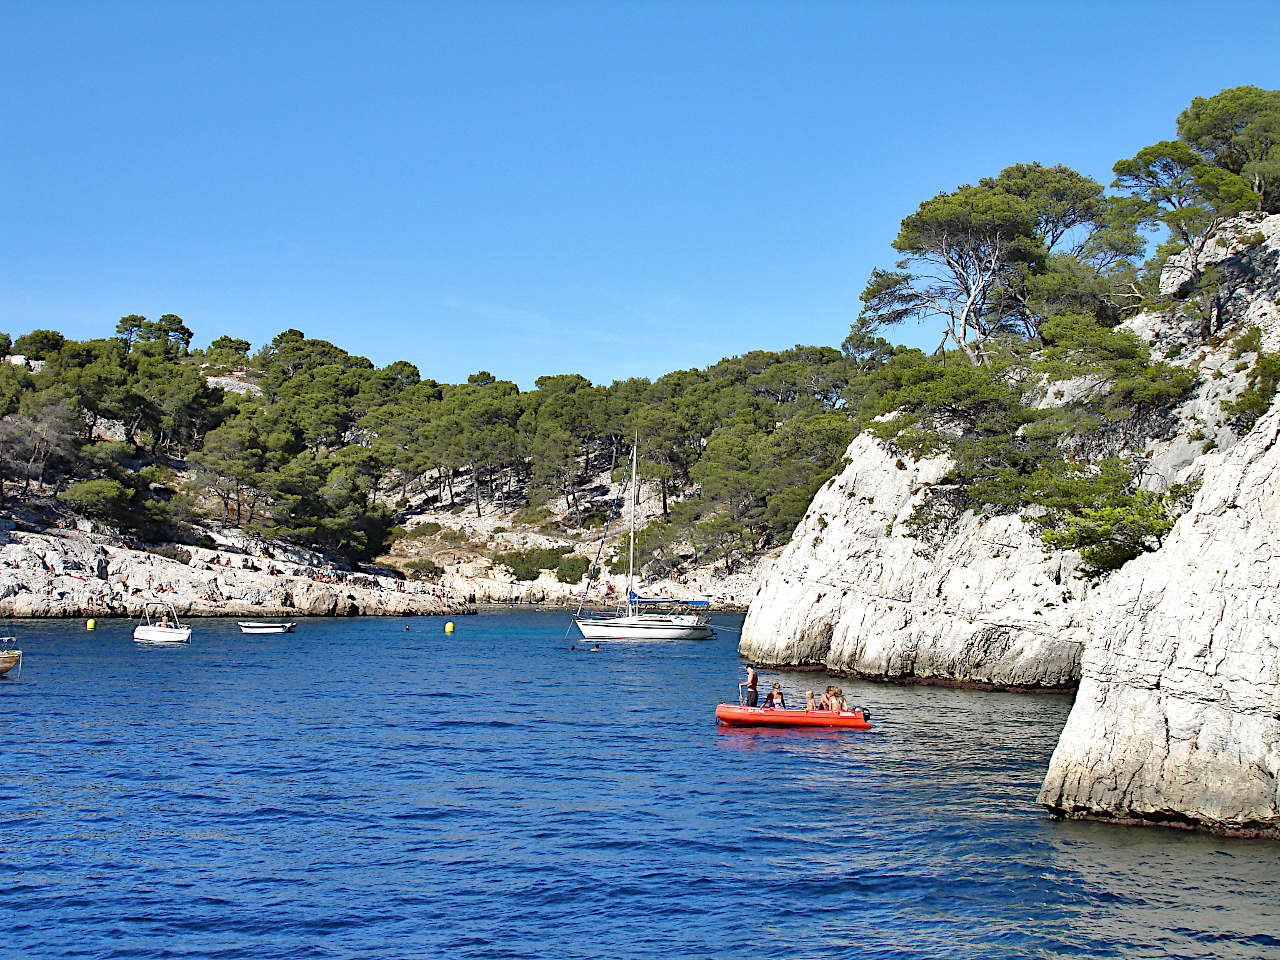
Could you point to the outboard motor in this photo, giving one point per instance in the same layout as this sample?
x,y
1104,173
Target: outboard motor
x,y
866,714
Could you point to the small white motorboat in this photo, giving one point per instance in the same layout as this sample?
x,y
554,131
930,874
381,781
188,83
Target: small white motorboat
x,y
10,657
251,626
160,624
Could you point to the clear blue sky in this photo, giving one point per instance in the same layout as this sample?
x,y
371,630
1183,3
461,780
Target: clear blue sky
x,y
612,188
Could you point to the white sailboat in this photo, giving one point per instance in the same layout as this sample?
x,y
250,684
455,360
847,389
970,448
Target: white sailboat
x,y
642,618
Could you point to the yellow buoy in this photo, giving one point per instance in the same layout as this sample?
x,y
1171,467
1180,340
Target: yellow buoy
x,y
91,624
448,627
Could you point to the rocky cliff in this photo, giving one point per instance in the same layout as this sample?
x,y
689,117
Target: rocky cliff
x,y
853,593
1177,654
1177,719
857,593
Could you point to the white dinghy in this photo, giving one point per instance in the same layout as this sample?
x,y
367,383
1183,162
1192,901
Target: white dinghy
x,y
254,626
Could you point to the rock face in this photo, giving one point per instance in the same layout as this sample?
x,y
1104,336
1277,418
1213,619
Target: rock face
x,y
1177,655
74,575
1178,715
1246,255
854,594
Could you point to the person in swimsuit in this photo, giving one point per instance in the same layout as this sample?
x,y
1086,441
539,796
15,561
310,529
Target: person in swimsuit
x,y
775,698
752,695
808,701
825,702
838,702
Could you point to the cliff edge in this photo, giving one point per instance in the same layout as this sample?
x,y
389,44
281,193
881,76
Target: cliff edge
x,y
854,594
1177,719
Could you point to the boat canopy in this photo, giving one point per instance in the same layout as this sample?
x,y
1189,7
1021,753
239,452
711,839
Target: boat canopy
x,y
636,598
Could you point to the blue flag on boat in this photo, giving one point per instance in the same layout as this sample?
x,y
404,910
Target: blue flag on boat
x,y
636,598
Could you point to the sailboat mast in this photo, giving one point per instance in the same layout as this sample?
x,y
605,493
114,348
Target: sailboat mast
x,y
635,496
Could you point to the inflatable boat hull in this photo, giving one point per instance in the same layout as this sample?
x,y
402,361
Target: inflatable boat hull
x,y
736,716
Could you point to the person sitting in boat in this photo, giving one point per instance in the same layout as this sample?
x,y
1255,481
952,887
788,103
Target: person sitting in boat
x,y
838,702
775,698
752,695
808,701
825,702
164,620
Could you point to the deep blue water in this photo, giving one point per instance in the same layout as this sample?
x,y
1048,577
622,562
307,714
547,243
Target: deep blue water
x,y
359,790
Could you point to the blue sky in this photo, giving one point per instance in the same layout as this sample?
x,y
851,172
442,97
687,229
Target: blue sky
x,y
616,189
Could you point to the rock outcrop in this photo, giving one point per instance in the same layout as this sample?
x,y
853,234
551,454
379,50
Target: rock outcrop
x,y
1177,719
66,574
854,594
1177,655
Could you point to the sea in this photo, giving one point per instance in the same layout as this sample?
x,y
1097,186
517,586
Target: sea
x,y
382,788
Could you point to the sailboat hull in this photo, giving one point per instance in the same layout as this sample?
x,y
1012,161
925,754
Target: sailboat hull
x,y
644,626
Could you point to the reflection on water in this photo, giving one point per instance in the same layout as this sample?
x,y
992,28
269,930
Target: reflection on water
x,y
490,794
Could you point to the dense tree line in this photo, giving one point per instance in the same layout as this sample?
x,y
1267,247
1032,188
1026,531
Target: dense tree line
x,y
330,440
1025,275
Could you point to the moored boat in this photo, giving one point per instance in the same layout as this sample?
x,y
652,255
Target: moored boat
x,y
734,715
164,627
641,618
647,626
10,657
252,626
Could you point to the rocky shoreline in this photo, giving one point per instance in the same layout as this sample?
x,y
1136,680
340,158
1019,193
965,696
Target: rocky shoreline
x,y
60,573
73,573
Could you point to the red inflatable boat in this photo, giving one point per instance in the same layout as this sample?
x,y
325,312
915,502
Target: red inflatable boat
x,y
736,716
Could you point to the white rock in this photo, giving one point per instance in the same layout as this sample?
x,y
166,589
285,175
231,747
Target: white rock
x,y
1178,714
854,594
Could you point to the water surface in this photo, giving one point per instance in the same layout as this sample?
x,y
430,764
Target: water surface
x,y
358,789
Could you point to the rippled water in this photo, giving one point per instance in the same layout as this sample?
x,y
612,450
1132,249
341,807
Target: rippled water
x,y
359,790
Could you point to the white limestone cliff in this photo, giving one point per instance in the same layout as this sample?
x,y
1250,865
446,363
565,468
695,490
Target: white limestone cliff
x,y
1177,719
855,594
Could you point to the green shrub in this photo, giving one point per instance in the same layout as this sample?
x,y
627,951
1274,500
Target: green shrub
x,y
533,514
572,569
424,570
421,531
1250,341
170,552
1110,536
100,497
597,518
527,564
1264,380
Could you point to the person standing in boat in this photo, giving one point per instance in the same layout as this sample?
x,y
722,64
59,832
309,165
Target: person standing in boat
x,y
752,695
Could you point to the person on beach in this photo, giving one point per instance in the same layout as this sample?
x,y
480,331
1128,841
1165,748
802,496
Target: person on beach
x,y
775,698
752,695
